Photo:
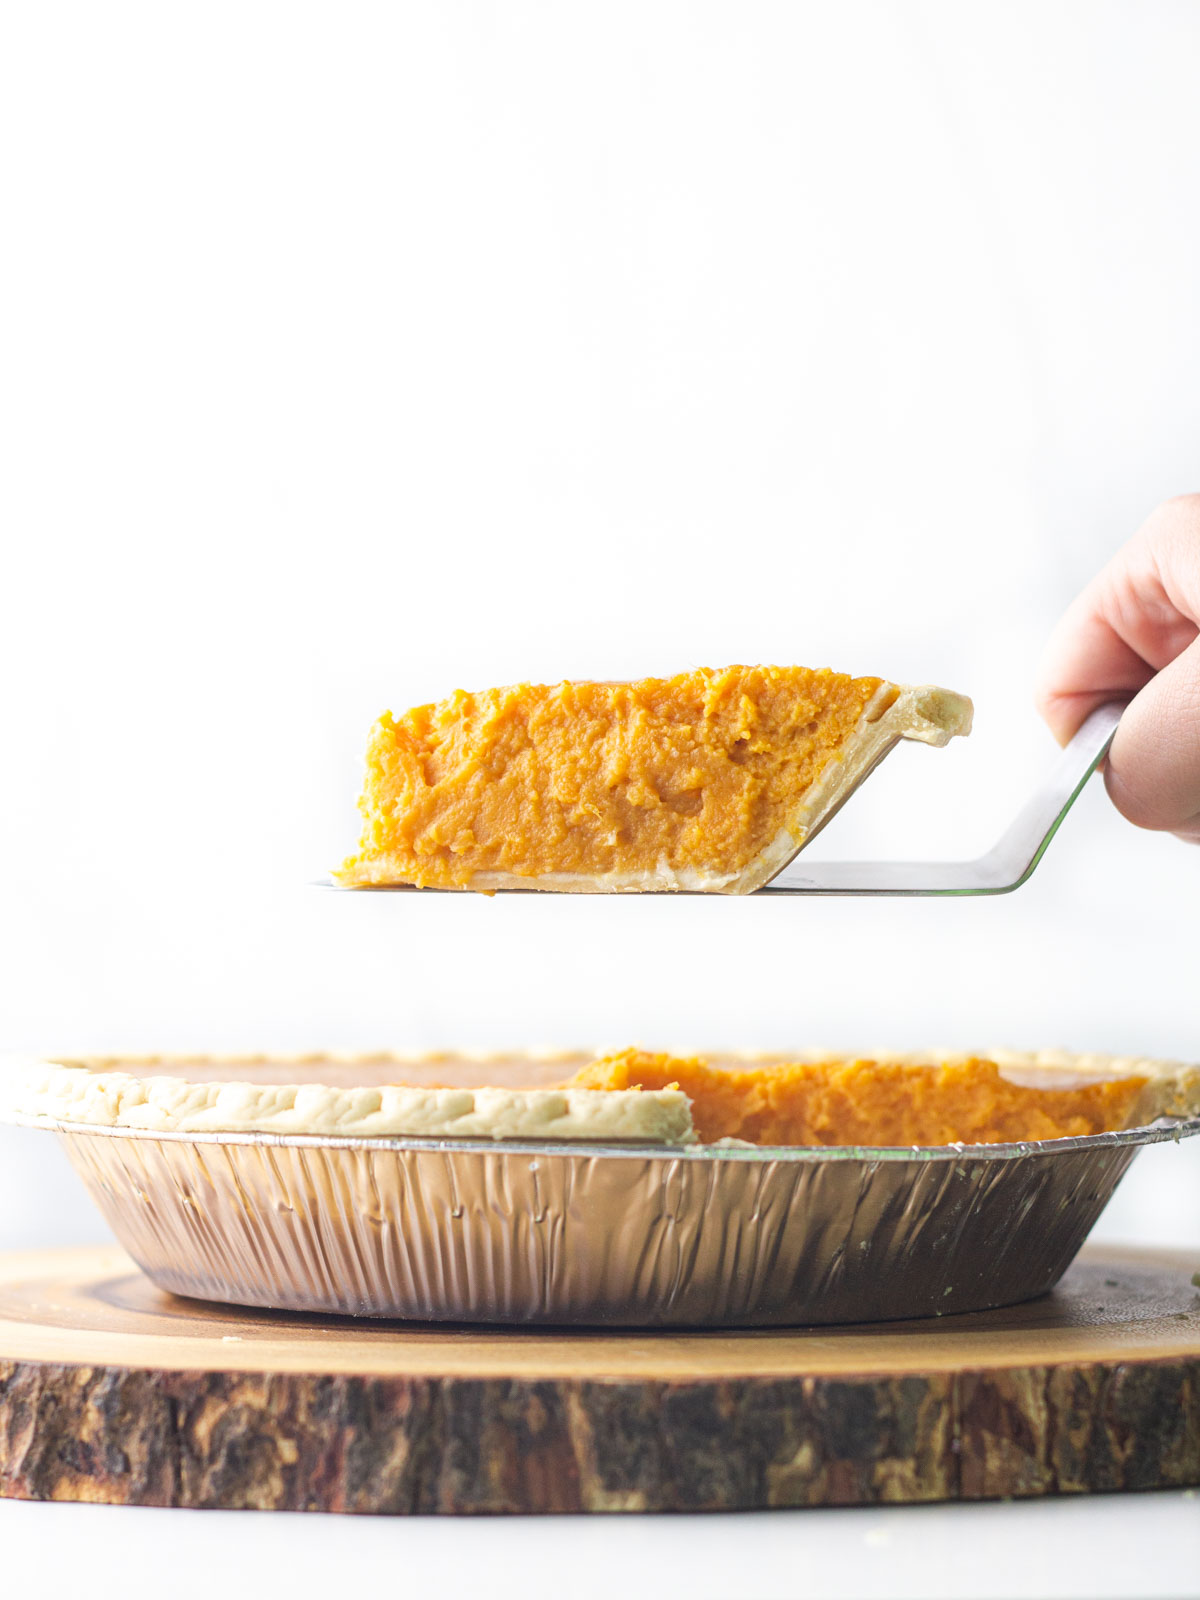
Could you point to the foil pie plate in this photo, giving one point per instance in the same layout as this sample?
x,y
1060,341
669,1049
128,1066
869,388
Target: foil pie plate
x,y
602,1235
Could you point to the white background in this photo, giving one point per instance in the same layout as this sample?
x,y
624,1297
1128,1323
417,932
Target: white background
x,y
350,354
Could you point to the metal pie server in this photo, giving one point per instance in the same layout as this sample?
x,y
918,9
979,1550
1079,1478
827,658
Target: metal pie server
x,y
1005,867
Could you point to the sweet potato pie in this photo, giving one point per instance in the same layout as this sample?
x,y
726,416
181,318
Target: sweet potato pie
x,y
710,780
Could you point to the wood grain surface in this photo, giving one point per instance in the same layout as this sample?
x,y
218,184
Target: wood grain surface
x,y
113,1391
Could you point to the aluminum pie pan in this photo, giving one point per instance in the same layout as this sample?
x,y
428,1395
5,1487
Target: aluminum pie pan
x,y
600,1235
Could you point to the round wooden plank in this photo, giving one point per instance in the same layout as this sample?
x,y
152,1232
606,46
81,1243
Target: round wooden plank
x,y
113,1391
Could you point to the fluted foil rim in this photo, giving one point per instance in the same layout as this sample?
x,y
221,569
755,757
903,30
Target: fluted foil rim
x,y
1162,1130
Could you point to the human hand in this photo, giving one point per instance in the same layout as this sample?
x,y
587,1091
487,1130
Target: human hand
x,y
1135,630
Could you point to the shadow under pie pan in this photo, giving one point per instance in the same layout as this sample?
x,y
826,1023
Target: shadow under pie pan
x,y
596,1234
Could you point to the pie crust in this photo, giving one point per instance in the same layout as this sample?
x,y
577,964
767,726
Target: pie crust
x,y
407,839
350,1095
149,1092
924,713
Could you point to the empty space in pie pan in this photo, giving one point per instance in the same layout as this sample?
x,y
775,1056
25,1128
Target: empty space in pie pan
x,y
603,1235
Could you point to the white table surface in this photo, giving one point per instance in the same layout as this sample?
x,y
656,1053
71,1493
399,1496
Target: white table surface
x,y
1096,1547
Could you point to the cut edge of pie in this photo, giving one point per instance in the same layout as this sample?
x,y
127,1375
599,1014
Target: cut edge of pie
x,y
924,713
923,1099
216,1094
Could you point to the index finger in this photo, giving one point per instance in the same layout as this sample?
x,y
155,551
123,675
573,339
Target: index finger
x,y
1136,617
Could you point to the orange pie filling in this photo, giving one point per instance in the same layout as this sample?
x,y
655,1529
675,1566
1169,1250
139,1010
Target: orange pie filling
x,y
841,1101
583,782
